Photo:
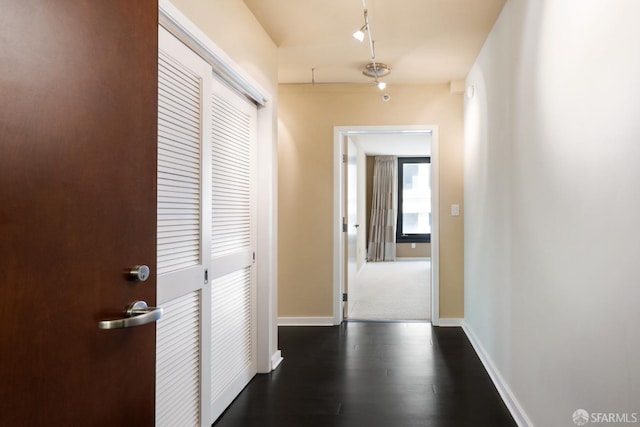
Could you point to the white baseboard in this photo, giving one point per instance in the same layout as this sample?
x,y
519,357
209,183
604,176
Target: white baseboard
x,y
506,394
276,359
448,322
305,321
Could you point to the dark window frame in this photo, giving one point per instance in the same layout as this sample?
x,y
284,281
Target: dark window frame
x,y
408,238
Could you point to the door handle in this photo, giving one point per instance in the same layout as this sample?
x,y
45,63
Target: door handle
x,y
138,314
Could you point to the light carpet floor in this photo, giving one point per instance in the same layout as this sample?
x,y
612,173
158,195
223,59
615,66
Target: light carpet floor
x,y
399,290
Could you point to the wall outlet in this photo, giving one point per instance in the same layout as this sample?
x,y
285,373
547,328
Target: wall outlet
x,y
413,246
455,210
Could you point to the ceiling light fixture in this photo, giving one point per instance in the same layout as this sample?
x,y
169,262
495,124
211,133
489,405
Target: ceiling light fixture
x,y
374,69
359,35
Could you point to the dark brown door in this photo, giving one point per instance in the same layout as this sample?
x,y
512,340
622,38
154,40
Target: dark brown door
x,y
78,108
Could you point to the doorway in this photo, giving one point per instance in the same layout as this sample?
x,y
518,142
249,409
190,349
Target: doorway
x,y
374,140
392,291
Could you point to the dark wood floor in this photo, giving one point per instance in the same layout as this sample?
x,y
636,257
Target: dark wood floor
x,y
364,374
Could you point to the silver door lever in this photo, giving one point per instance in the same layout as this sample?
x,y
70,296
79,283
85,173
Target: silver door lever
x,y
138,314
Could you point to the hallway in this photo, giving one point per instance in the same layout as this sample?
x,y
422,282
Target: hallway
x,y
371,375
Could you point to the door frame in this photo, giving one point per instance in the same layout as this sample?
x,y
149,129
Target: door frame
x,y
340,134
174,21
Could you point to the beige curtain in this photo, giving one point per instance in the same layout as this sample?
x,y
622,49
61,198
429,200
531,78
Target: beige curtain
x,y
382,229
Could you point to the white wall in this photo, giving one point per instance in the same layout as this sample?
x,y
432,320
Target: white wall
x,y
552,197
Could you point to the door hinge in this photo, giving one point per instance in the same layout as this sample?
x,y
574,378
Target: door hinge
x,y
206,276
254,257
345,159
345,297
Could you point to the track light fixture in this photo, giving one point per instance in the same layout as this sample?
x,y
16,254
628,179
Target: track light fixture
x,y
376,70
373,69
359,35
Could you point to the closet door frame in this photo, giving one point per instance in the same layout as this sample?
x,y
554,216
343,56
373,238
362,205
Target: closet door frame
x,y
268,357
183,289
174,21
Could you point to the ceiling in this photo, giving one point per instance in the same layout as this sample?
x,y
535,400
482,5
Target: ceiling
x,y
423,41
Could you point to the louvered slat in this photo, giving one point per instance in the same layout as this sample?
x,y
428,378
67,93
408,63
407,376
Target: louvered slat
x,y
178,363
231,154
231,328
179,170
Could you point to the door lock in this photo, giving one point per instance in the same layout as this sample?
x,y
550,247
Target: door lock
x,y
139,273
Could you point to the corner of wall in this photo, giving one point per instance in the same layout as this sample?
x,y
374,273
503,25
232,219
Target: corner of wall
x,y
508,397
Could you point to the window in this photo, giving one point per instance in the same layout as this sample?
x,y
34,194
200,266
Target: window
x,y
414,200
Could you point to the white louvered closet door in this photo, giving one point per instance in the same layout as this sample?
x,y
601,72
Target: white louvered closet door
x,y
184,91
233,235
